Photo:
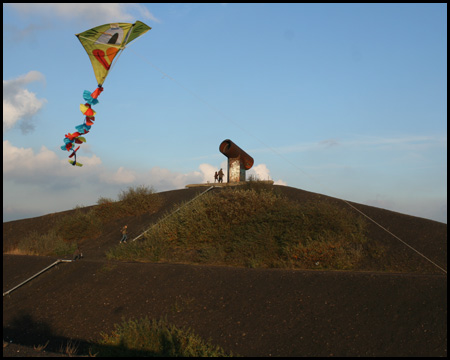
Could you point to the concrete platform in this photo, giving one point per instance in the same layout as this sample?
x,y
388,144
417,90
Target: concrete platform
x,y
225,184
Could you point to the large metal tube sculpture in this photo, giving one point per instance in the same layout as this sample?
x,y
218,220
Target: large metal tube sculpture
x,y
238,161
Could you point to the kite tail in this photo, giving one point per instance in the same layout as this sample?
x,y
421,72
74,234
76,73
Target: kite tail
x,y
71,139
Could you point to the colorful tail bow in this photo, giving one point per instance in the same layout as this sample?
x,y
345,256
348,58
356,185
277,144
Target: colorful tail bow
x,y
71,139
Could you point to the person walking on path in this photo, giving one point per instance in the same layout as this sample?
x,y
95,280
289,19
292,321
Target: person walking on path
x,y
220,175
124,235
215,177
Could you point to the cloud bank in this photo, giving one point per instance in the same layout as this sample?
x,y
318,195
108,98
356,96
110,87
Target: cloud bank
x,y
19,104
39,182
261,172
94,13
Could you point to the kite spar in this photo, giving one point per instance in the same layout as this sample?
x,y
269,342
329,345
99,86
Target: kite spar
x,y
103,45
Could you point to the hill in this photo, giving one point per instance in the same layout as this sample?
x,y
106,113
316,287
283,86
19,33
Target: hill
x,y
251,312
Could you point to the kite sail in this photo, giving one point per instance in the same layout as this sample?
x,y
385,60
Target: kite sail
x,y
103,45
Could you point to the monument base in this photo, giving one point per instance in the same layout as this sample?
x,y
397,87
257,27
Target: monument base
x,y
225,184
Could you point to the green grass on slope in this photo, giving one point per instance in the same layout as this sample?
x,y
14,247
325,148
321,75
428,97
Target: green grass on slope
x,y
253,226
82,224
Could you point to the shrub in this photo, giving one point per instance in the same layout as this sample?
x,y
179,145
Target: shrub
x,y
146,337
79,225
49,244
133,201
88,223
139,200
107,210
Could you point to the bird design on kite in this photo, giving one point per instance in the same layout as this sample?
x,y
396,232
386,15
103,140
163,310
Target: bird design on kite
x,y
102,44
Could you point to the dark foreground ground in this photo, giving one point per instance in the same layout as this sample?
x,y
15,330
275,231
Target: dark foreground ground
x,y
251,312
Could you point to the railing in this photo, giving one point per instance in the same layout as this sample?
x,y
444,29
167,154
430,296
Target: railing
x,y
35,275
204,192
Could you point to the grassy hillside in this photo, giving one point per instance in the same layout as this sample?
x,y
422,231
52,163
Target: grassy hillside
x,y
69,230
254,226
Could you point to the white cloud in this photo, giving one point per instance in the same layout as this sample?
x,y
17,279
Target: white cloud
x,y
207,171
165,179
38,183
23,80
24,165
121,176
19,104
98,13
261,172
44,168
23,162
280,182
93,161
34,178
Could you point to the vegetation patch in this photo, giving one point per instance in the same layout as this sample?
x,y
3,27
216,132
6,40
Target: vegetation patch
x,y
49,244
79,225
88,223
146,337
254,226
132,202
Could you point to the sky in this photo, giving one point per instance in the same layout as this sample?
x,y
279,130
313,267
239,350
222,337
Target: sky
x,y
346,100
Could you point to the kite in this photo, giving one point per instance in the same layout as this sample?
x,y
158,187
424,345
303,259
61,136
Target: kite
x,y
103,45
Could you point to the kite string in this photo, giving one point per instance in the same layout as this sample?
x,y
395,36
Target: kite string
x,y
284,158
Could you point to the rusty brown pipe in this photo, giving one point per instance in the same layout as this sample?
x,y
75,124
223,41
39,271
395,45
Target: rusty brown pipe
x,y
231,150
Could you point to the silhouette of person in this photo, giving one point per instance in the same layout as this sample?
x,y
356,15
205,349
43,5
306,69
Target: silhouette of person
x,y
220,175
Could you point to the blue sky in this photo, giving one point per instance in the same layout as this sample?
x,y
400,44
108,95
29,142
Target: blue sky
x,y
347,100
